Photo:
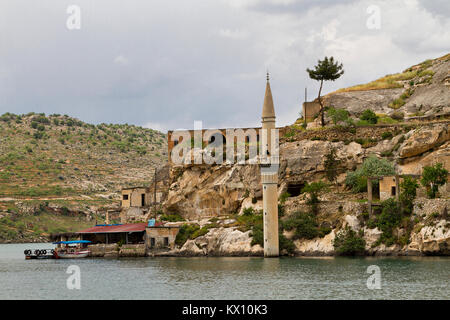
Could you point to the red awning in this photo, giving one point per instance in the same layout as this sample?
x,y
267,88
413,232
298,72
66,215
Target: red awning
x,y
132,227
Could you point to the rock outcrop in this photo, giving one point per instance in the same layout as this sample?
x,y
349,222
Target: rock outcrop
x,y
221,242
424,139
432,240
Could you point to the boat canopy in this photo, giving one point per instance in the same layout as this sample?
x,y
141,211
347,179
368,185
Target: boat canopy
x,y
72,241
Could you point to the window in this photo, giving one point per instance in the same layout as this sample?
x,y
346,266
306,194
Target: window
x,y
152,242
125,197
166,242
143,199
393,191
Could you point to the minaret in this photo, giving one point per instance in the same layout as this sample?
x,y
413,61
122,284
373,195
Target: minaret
x,y
269,175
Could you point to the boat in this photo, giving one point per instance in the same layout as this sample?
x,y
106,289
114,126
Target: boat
x,y
71,252
75,254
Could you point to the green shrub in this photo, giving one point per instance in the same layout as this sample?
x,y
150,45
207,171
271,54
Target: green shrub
x,y
348,242
363,123
38,135
284,196
387,221
387,153
369,116
249,219
248,211
203,230
186,231
172,217
433,177
314,189
408,193
372,166
400,101
258,235
387,120
386,135
337,115
305,226
285,243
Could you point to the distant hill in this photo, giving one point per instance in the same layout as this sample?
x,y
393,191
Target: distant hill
x,y
59,156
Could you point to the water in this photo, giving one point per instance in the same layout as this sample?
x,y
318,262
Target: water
x,y
221,278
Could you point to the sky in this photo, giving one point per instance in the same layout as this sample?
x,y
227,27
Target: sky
x,y
165,64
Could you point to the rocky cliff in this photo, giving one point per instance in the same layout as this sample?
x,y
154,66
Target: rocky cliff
x,y
415,139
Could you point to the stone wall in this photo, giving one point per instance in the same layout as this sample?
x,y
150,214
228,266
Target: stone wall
x,y
310,110
159,234
114,251
104,250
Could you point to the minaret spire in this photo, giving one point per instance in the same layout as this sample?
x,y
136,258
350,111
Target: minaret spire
x,y
268,109
269,175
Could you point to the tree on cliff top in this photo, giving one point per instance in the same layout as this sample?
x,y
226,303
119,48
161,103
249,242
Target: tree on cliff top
x,y
325,70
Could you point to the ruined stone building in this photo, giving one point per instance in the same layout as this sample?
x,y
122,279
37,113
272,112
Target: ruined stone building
x,y
310,110
139,203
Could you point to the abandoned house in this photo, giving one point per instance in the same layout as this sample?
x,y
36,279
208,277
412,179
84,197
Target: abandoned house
x,y
387,187
138,202
136,197
161,236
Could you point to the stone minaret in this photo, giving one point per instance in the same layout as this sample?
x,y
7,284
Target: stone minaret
x,y
269,176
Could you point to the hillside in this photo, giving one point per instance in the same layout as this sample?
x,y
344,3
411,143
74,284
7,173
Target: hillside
x,y
421,90
59,162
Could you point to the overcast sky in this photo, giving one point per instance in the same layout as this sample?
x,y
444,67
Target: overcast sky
x,y
163,64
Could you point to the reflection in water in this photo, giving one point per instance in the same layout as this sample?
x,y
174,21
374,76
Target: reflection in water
x,y
222,278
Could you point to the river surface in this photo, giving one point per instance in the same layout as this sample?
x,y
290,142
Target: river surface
x,y
221,278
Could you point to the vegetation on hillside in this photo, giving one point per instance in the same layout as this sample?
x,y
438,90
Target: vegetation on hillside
x,y
48,156
391,81
349,243
372,166
433,177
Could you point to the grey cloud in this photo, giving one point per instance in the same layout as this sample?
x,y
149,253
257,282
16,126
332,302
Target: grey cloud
x,y
437,7
295,6
178,65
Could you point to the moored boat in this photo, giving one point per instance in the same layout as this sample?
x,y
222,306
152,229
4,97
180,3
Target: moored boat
x,y
72,252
